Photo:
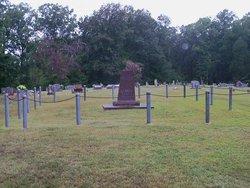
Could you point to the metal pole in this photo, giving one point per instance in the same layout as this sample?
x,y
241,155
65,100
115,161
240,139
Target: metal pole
x,y
54,96
35,98
25,114
211,94
184,90
207,108
78,110
28,101
166,90
196,92
7,110
113,92
149,113
40,96
19,104
230,98
139,90
84,93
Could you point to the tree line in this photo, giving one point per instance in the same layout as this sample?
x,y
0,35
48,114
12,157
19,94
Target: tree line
x,y
51,45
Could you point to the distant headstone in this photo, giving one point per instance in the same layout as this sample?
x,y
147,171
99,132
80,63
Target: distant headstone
x,y
56,87
49,90
111,85
8,90
97,86
70,87
155,82
78,88
240,84
147,84
195,83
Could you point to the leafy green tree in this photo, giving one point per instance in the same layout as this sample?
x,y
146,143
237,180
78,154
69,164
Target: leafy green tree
x,y
56,21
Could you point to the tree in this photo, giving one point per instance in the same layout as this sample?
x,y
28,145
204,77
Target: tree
x,y
57,59
56,21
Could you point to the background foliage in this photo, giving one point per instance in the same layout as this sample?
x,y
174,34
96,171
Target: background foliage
x,y
50,45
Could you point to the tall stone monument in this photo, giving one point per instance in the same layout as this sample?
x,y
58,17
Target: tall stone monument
x,y
126,94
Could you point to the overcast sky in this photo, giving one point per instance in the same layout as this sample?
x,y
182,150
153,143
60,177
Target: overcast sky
x,y
181,12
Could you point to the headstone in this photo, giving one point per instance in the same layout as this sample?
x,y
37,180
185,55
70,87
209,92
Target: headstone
x,y
78,88
56,87
8,90
110,86
155,82
50,90
195,83
97,86
71,88
126,93
240,84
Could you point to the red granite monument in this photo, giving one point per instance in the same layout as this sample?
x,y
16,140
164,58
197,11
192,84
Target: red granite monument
x,y
126,94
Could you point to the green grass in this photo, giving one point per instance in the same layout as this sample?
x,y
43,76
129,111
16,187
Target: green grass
x,y
118,149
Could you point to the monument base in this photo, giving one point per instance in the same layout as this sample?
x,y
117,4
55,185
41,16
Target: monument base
x,y
126,103
112,107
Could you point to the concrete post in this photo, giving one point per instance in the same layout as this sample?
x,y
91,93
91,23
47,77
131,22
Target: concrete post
x,y
28,101
54,96
166,90
207,108
6,110
196,92
19,104
230,99
35,98
184,90
25,114
211,95
113,92
149,113
84,93
139,90
78,110
40,96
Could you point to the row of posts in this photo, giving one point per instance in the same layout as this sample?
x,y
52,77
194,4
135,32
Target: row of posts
x,y
20,95
24,102
24,113
208,102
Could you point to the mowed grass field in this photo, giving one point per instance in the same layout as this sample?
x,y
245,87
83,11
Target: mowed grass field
x,y
118,149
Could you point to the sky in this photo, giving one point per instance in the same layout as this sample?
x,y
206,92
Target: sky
x,y
181,12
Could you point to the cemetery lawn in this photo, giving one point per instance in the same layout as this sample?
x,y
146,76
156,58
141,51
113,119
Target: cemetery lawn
x,y
118,149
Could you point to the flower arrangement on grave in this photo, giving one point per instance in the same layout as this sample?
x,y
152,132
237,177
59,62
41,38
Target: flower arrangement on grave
x,y
21,87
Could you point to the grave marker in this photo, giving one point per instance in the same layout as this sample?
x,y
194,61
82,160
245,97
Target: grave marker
x,y
126,93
